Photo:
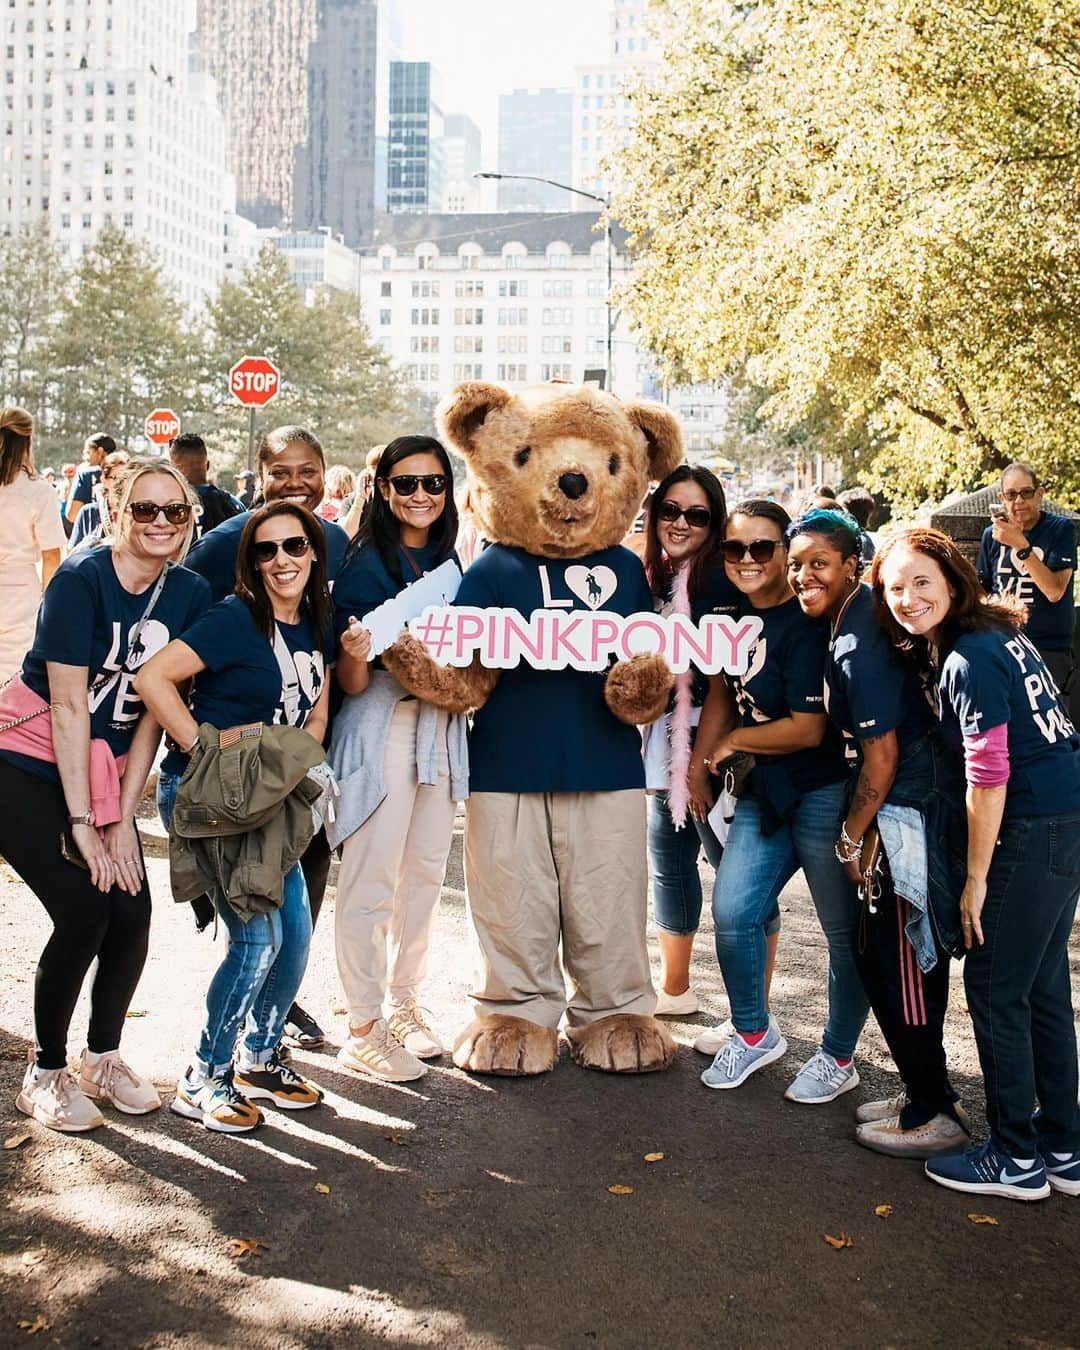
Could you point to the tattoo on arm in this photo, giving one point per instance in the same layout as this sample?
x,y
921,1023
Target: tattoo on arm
x,y
865,793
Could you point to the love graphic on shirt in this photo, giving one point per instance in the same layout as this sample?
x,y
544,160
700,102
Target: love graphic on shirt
x,y
140,645
593,585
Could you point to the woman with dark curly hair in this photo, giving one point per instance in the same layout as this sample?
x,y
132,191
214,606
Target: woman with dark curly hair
x,y
1022,765
897,786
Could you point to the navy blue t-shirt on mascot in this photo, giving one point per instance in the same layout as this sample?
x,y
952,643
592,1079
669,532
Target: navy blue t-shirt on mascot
x,y
242,680
869,689
214,555
785,676
550,730
994,679
88,619
1053,541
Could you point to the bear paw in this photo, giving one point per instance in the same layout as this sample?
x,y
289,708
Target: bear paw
x,y
622,1043
637,691
510,1046
455,689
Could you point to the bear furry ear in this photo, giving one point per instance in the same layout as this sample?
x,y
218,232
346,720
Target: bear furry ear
x,y
463,411
663,434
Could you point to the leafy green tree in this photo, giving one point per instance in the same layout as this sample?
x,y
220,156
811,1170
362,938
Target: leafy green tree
x,y
32,281
335,379
871,205
121,345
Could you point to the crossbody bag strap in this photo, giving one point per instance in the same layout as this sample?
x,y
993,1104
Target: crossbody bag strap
x,y
155,595
290,681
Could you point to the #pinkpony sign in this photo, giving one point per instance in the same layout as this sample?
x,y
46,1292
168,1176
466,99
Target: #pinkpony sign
x,y
550,639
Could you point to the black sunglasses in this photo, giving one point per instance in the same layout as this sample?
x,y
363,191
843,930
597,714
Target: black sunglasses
x,y
405,484
760,550
265,550
176,513
699,517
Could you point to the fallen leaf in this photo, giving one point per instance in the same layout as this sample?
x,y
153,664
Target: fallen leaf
x,y
621,1190
844,1240
402,1140
984,1218
339,1012
322,1188
17,1139
38,1324
135,1012
883,1211
654,1157
242,1247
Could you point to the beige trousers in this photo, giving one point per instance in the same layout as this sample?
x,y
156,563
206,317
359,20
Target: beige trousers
x,y
540,867
392,872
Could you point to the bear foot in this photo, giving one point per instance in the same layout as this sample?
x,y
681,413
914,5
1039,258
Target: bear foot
x,y
622,1043
510,1046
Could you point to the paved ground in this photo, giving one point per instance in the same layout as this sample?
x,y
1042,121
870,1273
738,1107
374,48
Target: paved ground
x,y
467,1212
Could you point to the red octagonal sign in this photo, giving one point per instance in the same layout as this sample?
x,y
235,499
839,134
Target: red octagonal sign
x,y
254,381
162,426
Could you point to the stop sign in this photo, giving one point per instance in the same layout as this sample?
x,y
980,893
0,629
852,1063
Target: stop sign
x,y
162,426
254,381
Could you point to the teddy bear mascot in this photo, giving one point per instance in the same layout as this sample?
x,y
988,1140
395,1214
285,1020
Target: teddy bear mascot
x,y
555,834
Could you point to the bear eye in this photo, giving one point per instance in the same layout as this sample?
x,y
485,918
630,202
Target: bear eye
x,y
522,456
613,464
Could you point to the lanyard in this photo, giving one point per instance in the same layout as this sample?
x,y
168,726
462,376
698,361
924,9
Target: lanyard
x,y
411,561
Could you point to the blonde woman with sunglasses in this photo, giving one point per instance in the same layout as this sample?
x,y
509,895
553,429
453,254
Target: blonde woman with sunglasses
x,y
76,746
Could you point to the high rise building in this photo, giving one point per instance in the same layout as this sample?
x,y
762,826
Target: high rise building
x,y
107,122
414,157
535,127
461,159
257,50
334,170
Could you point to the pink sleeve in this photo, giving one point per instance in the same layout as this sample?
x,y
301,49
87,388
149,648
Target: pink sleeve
x,y
986,758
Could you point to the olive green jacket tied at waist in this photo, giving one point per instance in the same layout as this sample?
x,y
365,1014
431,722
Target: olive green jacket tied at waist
x,y
246,809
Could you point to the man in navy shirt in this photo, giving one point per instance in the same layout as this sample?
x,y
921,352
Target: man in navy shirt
x,y
88,474
189,454
1031,554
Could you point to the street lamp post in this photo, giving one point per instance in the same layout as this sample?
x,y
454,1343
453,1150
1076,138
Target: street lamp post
x,y
605,202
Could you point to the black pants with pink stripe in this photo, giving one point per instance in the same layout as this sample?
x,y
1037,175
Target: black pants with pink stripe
x,y
908,1004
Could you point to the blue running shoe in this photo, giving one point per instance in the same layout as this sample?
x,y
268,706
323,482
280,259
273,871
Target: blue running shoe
x,y
982,1170
1063,1172
735,1060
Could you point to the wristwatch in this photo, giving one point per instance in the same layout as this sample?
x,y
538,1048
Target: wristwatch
x,y
87,818
1023,554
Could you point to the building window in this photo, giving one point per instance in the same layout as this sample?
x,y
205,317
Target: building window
x,y
384,288
469,261
468,317
519,288
384,262
562,372
513,344
468,370
512,373
468,289
513,317
559,260
556,345
464,344
560,317
385,316
560,288
425,343
425,289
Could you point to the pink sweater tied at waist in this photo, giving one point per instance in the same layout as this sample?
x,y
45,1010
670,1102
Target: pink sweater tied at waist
x,y
33,738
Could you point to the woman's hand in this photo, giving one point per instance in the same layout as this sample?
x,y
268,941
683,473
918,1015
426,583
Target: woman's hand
x,y
356,641
122,846
92,847
853,871
972,900
722,749
700,789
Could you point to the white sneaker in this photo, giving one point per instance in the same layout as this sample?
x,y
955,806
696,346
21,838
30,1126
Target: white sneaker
x,y
409,1026
883,1110
822,1080
676,1005
111,1080
380,1055
941,1134
712,1038
53,1098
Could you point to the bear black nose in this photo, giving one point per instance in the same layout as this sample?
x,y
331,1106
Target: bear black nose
x,y
574,485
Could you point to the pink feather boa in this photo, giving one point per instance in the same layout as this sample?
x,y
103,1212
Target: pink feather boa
x,y
679,717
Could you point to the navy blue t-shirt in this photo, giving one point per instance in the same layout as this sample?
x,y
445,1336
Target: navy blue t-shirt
x,y
550,730
869,688
1053,540
786,675
717,595
88,619
364,581
242,680
991,679
87,477
214,555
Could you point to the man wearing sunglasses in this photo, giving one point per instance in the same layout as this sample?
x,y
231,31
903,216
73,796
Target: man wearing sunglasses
x,y
1031,553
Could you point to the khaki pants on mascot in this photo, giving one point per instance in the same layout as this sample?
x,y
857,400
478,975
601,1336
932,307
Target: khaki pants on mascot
x,y
555,834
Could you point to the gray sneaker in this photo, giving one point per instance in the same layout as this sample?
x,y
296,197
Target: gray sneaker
x,y
941,1134
822,1080
736,1061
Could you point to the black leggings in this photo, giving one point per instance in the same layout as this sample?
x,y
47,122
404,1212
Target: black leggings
x,y
112,926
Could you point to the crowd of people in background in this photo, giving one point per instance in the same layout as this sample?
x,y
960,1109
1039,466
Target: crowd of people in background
x,y
901,735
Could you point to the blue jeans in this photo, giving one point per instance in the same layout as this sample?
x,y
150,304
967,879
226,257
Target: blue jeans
x,y
756,868
256,983
673,856
1018,991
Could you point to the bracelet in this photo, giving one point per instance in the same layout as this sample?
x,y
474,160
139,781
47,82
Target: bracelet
x,y
847,850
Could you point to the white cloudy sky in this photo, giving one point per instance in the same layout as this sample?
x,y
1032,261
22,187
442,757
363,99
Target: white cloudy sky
x,y
487,47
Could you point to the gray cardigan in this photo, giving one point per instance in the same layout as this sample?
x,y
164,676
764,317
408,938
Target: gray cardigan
x,y
358,750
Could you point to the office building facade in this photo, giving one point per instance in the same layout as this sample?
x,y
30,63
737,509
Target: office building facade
x,y
535,128
414,154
